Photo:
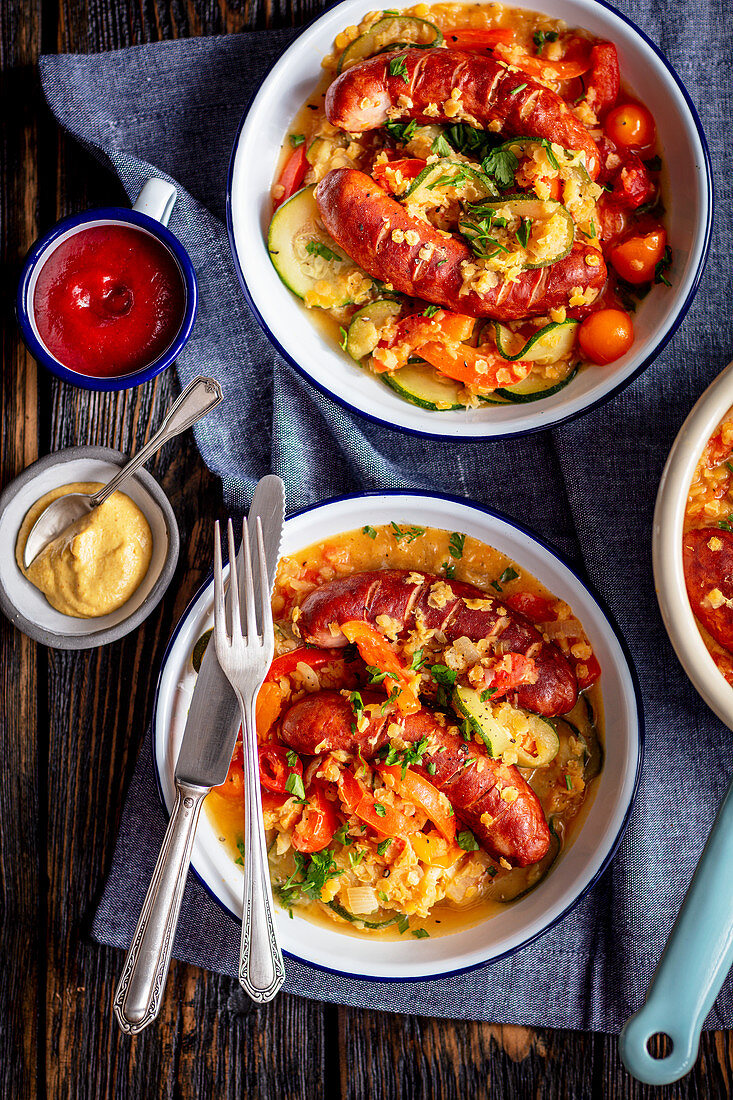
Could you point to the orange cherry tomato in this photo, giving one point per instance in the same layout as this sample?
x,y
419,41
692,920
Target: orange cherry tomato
x,y
636,257
631,126
606,335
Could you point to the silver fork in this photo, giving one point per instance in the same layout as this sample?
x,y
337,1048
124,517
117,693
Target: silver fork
x,y
245,659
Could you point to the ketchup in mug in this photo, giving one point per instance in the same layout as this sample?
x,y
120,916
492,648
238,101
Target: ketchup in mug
x,y
109,300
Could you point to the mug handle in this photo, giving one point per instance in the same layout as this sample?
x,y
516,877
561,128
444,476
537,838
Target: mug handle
x,y
694,964
157,199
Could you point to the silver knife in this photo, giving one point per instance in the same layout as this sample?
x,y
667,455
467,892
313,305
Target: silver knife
x,y
203,762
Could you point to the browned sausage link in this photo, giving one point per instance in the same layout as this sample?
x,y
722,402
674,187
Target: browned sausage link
x,y
361,217
492,798
364,597
708,560
484,90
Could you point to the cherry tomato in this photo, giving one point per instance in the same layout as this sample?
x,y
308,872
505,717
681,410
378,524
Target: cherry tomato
x,y
606,335
636,258
275,767
631,126
315,830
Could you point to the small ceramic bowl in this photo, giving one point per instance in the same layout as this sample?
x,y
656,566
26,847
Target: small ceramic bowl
x,y
150,214
688,196
25,606
669,515
579,865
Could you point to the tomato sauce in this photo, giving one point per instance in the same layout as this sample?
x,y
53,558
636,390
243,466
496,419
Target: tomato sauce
x,y
109,300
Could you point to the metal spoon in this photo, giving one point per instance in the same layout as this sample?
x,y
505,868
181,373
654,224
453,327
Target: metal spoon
x,y
199,397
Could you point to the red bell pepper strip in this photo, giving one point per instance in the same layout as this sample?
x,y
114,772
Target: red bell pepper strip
x,y
292,175
476,40
288,662
315,830
408,167
277,764
604,82
384,819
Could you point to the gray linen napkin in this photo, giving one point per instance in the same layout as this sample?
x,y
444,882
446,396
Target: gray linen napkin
x,y
588,487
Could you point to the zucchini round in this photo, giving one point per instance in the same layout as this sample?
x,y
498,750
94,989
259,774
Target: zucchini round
x,y
307,259
528,212
364,331
562,160
392,32
422,385
534,388
548,345
469,184
498,738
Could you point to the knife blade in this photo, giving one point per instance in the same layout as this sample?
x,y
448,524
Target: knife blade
x,y
213,715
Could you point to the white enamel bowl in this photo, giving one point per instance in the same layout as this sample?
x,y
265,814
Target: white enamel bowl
x,y
669,515
689,199
578,867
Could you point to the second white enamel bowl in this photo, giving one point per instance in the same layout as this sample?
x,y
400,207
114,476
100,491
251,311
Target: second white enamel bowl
x,y
579,865
293,332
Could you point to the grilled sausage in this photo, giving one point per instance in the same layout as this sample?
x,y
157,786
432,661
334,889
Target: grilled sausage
x,y
485,91
474,783
708,563
430,601
362,217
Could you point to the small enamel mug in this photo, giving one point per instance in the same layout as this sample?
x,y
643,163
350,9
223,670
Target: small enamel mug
x,y
150,215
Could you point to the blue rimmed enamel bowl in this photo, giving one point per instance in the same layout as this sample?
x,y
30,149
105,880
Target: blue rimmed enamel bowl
x,y
579,865
688,196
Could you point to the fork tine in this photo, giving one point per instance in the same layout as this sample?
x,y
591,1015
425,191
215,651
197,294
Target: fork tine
x,y
268,631
220,622
235,613
249,590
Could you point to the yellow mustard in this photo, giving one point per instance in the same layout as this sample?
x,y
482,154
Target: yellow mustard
x,y
96,565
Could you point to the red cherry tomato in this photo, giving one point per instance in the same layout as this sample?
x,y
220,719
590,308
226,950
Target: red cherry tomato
x,y
631,126
636,258
606,335
276,767
315,830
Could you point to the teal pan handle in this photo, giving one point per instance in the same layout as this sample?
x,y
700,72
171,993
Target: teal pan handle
x,y
698,955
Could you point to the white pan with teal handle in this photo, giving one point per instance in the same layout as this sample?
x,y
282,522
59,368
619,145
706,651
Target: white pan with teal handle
x,y
699,952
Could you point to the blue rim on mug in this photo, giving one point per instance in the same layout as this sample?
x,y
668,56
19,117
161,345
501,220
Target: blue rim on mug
x,y
42,249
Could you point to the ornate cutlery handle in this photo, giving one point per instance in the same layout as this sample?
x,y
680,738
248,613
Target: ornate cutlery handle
x,y
261,967
140,988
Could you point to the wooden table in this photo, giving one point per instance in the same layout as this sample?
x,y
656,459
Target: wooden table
x,y
72,723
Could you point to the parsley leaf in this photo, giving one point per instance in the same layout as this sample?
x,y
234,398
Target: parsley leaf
x,y
401,131
294,785
432,768
356,856
727,523
375,674
430,311
296,140
292,758
455,544
418,660
524,231
509,574
341,835
449,570
467,841
420,933
318,248
314,871
382,848
357,703
501,164
443,675
380,810
475,143
398,67
370,531
441,146
540,37
409,533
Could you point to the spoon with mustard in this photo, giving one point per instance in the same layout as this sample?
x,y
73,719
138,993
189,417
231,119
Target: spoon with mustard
x,y
199,398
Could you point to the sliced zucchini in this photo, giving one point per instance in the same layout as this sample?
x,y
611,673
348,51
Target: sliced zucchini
x,y
391,33
566,162
534,388
538,747
450,179
366,325
422,385
308,260
353,918
549,344
541,232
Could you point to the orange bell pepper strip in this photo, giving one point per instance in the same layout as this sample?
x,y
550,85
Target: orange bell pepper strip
x,y
384,819
473,39
374,649
422,793
233,786
315,830
412,332
435,850
268,707
542,67
480,367
292,175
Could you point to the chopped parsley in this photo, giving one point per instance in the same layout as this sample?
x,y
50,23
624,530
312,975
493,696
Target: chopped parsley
x,y
727,523
467,841
509,574
318,248
379,809
445,678
478,228
432,768
376,676
450,179
524,231
381,849
430,311
455,544
661,269
240,848
486,695
449,570
390,699
409,533
357,703
294,785
292,758
420,933
441,146
418,660
401,131
296,140
314,872
467,140
519,88
370,531
341,835
411,754
540,37
356,856
398,67
501,163
568,783
403,923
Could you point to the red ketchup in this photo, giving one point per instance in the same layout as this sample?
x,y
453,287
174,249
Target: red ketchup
x,y
109,300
